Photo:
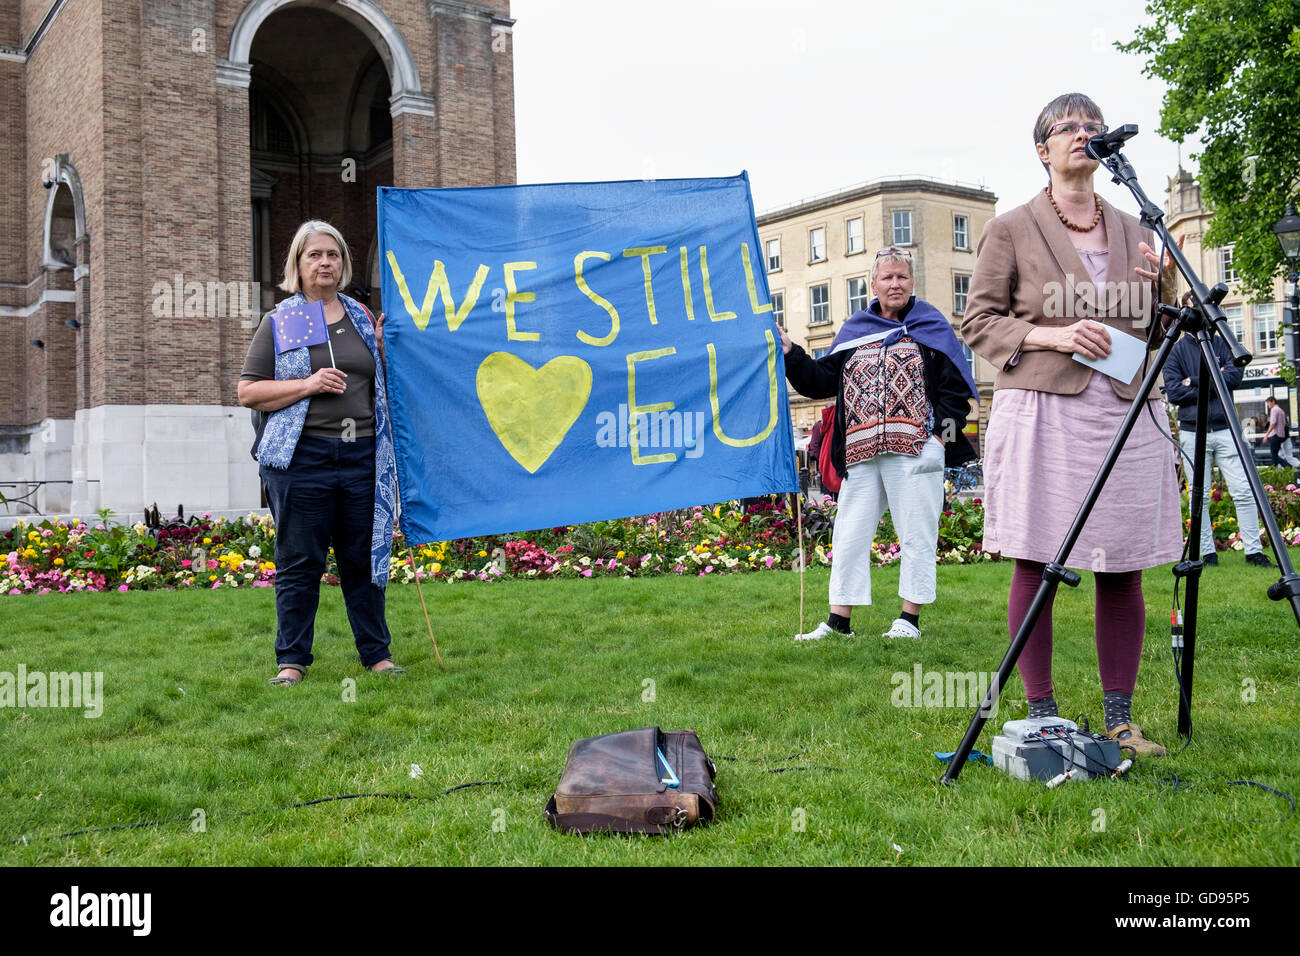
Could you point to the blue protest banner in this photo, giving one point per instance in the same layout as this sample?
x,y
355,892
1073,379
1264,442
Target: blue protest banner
x,y
571,352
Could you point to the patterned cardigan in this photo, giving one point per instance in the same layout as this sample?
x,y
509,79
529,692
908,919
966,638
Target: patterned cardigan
x,y
283,428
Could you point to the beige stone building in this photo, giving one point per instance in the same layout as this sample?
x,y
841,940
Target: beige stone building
x,y
819,252
1258,325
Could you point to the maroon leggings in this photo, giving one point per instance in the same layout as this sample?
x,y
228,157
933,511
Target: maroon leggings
x,y
1121,621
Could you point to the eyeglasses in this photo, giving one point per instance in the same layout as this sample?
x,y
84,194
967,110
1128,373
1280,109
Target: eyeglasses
x,y
1070,128
893,253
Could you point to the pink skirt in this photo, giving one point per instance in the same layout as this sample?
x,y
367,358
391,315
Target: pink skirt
x,y
1041,453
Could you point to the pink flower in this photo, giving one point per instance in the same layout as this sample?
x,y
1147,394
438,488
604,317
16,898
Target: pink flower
x,y
613,563
123,587
586,572
13,591
708,569
769,561
186,563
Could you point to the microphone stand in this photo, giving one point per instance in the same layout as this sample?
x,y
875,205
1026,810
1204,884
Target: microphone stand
x,y
1203,318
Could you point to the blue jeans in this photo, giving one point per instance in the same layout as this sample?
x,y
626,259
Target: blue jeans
x,y
325,497
1219,447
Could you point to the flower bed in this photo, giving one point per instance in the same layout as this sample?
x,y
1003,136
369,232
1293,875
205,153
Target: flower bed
x,y
731,538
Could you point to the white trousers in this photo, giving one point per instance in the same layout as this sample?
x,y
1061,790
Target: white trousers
x,y
912,489
1219,447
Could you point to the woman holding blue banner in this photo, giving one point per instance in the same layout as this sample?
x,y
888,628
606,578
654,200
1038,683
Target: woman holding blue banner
x,y
326,453
903,391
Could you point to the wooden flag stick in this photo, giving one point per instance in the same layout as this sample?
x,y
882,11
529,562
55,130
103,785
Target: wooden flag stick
x,y
410,558
798,511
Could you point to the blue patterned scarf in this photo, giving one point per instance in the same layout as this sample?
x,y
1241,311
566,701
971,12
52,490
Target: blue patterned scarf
x,y
285,426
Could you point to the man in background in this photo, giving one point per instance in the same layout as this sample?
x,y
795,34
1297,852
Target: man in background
x,y
1182,376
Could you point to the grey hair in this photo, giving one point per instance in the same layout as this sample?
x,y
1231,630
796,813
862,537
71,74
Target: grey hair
x,y
1062,106
291,282
882,260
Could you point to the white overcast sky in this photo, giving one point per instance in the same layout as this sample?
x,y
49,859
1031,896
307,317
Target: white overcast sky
x,y
815,96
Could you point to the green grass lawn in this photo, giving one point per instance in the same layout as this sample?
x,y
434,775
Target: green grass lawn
x,y
190,723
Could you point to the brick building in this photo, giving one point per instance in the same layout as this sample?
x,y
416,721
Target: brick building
x,y
160,155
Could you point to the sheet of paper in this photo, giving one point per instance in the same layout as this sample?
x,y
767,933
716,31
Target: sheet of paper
x,y
1126,354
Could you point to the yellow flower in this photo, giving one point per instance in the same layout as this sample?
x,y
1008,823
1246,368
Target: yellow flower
x,y
212,577
482,554
435,567
29,553
207,540
58,561
33,536
620,555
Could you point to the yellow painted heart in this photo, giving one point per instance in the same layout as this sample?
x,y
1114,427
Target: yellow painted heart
x,y
532,409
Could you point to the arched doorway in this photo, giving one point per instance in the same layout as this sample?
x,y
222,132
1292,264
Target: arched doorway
x,y
320,136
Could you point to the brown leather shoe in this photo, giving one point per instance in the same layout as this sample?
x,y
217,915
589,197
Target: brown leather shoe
x,y
1130,735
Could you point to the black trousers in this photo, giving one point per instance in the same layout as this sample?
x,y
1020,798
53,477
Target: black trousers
x,y
325,497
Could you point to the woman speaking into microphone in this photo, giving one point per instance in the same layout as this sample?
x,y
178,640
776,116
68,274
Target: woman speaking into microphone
x,y
1064,254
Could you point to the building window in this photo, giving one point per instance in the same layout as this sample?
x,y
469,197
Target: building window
x,y
1265,334
970,358
774,255
903,227
853,237
960,289
817,244
859,295
1232,314
819,301
818,353
778,308
960,232
1226,272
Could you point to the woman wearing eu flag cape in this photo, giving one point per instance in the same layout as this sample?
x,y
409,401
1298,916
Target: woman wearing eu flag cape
x,y
902,390
326,454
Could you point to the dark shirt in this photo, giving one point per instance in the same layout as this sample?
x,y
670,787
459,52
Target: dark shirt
x,y
1185,363
327,414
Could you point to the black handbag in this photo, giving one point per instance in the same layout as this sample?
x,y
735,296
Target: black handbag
x,y
636,781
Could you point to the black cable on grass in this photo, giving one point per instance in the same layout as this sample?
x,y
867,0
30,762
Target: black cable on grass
x,y
776,769
786,769
1286,796
248,813
763,759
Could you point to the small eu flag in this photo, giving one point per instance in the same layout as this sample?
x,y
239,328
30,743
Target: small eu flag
x,y
299,325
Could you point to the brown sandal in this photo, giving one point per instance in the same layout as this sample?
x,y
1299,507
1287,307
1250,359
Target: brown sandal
x,y
287,681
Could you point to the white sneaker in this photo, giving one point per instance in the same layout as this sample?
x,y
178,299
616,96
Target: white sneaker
x,y
823,630
902,628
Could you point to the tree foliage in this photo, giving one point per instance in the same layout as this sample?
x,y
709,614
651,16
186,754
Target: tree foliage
x,y
1233,74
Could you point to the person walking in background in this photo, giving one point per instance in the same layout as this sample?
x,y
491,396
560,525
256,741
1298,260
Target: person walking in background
x,y
1278,433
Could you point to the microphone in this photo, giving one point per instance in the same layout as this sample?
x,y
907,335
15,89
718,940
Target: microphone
x,y
1106,144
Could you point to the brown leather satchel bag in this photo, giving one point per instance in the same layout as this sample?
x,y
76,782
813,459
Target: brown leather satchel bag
x,y
614,783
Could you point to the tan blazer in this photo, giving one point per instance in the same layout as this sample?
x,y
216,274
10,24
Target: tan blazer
x,y
1027,273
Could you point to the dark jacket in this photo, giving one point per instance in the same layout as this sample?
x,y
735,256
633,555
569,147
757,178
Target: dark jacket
x,y
1185,363
944,386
